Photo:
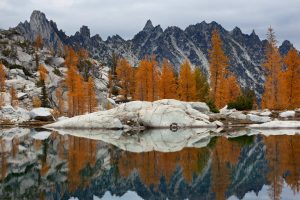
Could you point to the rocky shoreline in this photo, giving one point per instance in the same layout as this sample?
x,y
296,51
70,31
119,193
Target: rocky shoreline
x,y
139,115
172,114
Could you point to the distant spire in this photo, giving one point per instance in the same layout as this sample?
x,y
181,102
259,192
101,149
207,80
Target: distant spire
x,y
253,32
36,14
149,26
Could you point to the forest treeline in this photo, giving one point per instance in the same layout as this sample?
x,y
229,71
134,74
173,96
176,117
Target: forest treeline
x,y
150,82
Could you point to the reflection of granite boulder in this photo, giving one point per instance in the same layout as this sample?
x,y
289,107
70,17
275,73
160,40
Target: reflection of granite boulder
x,y
162,140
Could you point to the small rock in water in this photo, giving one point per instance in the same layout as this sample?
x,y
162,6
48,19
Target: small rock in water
x,y
289,113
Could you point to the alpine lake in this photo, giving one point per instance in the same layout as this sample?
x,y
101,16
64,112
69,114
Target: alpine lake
x,y
153,164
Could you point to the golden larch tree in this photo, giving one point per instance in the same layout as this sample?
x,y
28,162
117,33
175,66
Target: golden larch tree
x,y
91,98
202,87
234,90
140,92
218,63
71,85
83,54
38,42
167,86
186,83
272,64
71,58
13,97
43,72
2,78
80,95
290,91
147,76
125,78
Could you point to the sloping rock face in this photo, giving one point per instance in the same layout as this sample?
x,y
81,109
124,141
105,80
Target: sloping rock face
x,y
245,51
18,58
156,114
13,115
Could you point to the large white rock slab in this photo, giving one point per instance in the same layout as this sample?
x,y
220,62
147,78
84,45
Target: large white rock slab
x,y
161,113
42,114
98,120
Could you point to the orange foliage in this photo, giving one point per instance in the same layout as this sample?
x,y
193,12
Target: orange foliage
x,y
13,97
218,64
147,76
83,54
38,42
233,87
43,72
125,78
167,87
79,95
36,102
70,81
91,99
283,163
186,83
15,146
81,153
290,87
271,96
225,155
154,165
4,164
2,78
71,57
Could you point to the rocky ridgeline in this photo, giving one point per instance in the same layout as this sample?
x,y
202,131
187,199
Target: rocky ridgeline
x,y
246,52
17,54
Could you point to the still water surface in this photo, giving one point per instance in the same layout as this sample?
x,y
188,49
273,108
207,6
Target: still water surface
x,y
47,165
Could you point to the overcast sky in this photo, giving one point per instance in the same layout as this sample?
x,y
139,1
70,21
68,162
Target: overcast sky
x,y
127,17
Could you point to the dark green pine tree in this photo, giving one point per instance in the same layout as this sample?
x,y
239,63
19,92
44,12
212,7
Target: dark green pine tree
x,y
44,98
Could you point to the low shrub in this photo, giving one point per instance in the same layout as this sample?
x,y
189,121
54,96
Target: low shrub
x,y
243,102
212,106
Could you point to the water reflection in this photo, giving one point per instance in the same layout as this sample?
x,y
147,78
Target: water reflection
x,y
193,164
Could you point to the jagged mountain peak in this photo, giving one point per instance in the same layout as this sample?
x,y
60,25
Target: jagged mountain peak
x,y
148,26
36,14
237,31
85,31
285,47
253,33
115,38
